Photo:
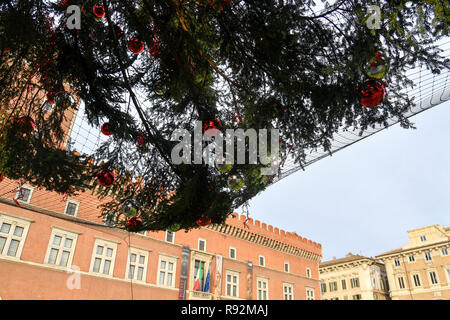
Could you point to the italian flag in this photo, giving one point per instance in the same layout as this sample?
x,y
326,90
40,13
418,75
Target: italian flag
x,y
199,276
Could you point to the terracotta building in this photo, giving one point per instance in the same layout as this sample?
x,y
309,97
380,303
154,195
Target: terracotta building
x,y
55,247
353,277
59,248
420,270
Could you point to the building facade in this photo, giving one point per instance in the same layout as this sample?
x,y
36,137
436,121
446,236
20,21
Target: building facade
x,y
53,247
421,269
353,277
59,247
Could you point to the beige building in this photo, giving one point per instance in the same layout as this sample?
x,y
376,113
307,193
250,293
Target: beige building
x,y
421,269
354,277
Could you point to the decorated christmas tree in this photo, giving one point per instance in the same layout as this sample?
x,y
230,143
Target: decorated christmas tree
x,y
144,69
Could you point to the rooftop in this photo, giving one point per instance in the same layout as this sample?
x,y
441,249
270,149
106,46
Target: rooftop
x,y
348,258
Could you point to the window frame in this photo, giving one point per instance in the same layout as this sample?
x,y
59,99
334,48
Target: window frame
x,y
14,222
259,260
232,274
397,263
28,187
413,275
105,244
198,243
447,272
444,250
333,286
423,238
431,279
344,284
310,290
266,290
287,285
173,236
64,234
413,258
353,281
71,201
426,255
308,273
116,217
235,253
401,282
286,264
167,259
323,287
138,252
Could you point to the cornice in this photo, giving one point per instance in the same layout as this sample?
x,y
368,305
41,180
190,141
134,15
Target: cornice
x,y
408,251
265,241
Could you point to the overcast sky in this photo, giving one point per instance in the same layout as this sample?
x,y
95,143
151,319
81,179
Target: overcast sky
x,y
365,198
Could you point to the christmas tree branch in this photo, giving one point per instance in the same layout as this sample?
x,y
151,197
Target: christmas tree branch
x,y
145,122
180,18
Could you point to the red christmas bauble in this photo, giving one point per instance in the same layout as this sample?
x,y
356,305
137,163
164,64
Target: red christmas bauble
x,y
107,129
51,97
373,93
203,221
135,45
26,123
99,11
213,124
134,222
106,178
142,142
1,178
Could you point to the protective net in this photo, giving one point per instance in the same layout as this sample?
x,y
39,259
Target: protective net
x,y
428,90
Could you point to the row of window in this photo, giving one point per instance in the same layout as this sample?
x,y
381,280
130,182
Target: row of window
x,y
416,280
262,288
25,192
333,286
354,297
170,237
111,221
427,257
61,249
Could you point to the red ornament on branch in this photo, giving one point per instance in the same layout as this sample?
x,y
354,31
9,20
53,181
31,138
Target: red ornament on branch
x,y
142,142
204,221
99,11
373,93
135,45
106,178
213,125
51,97
107,129
133,223
1,178
26,124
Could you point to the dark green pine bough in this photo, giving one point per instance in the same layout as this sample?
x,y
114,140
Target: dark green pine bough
x,y
279,64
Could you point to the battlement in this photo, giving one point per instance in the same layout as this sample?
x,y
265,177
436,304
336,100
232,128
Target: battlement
x,y
273,232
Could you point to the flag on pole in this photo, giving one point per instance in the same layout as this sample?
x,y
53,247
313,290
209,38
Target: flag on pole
x,y
199,276
208,276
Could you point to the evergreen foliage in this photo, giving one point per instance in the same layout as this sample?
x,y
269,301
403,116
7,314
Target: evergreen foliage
x,y
277,63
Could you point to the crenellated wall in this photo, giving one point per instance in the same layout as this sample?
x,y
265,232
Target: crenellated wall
x,y
261,228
